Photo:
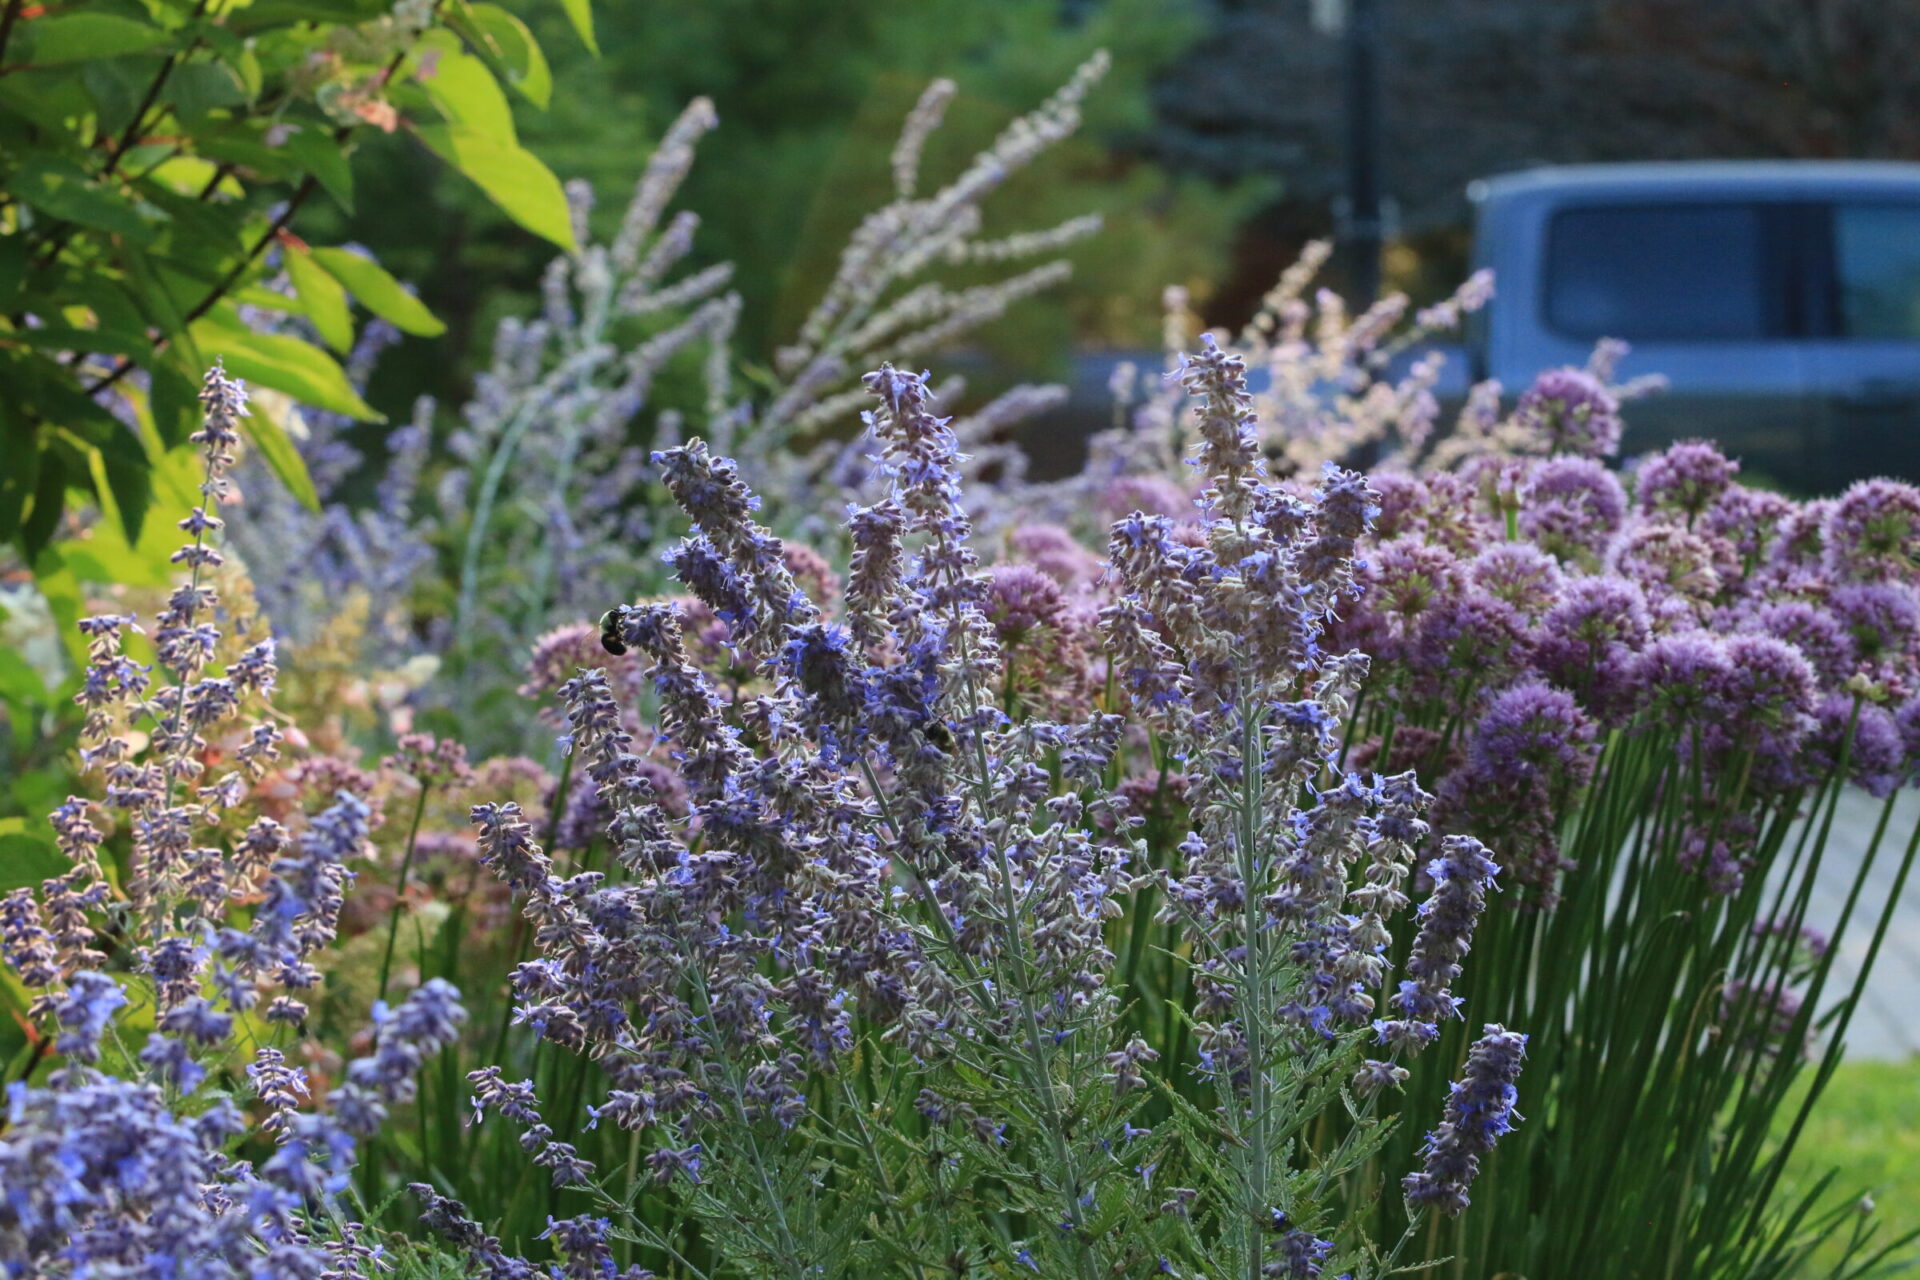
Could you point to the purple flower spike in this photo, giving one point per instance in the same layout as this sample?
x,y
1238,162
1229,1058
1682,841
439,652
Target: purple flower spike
x,y
1480,1110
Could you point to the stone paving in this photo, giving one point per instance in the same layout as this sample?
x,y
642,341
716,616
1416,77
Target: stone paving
x,y
1887,1024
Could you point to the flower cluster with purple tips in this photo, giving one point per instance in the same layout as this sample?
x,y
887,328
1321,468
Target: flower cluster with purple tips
x,y
852,823
114,1163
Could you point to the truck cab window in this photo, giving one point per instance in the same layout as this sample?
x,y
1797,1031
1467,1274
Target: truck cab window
x,y
1662,273
1876,250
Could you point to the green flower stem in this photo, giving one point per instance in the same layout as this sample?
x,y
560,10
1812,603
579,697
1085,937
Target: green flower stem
x,y
400,888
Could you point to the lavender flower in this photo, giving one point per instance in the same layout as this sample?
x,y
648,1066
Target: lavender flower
x,y
1480,1110
1461,875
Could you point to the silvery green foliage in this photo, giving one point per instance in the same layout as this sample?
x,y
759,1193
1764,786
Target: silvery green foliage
x,y
869,966
549,494
304,564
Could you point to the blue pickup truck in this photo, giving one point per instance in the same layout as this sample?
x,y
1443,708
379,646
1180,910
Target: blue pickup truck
x,y
1780,299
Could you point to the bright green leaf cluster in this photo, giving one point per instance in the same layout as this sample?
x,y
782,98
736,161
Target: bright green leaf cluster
x,y
154,158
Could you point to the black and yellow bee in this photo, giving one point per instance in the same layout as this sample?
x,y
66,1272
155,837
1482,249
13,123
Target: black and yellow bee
x,y
939,735
610,633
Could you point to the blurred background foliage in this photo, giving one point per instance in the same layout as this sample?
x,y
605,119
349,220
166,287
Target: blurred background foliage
x,y
810,99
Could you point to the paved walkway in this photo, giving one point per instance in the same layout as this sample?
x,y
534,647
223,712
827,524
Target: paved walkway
x,y
1887,1024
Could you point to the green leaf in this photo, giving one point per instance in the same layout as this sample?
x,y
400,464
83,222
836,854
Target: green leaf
x,y
63,190
174,400
379,292
325,301
61,590
514,179
27,858
315,151
505,39
276,449
13,269
122,485
85,37
20,442
463,89
580,14
196,88
20,684
134,346
50,491
287,364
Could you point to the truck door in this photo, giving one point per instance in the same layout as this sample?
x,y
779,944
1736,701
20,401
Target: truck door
x,y
1863,350
1706,292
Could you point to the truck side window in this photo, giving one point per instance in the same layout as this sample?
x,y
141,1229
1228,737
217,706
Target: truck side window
x,y
1876,251
1669,272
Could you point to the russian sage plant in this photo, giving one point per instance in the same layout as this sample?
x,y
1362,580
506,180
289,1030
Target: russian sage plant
x,y
868,970
119,1156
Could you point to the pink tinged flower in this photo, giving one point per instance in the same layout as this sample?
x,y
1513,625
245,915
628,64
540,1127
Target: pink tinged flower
x,y
1686,478
1873,532
1571,412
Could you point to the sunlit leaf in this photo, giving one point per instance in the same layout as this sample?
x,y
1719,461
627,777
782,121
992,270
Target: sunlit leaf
x,y
580,14
324,301
504,37
63,190
513,178
379,292
85,37
463,89
284,363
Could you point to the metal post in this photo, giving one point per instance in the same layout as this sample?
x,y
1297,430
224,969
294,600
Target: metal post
x,y
1363,231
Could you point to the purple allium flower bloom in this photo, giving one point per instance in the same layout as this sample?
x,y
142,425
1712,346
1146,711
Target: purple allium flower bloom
x,y
1766,1013
1020,599
1533,730
1750,520
1907,721
1406,579
1480,1110
1768,687
1588,641
1816,632
1527,758
1055,552
1403,504
1471,640
1571,412
1876,754
1685,479
1873,532
1884,621
1677,678
1520,574
1155,495
1670,564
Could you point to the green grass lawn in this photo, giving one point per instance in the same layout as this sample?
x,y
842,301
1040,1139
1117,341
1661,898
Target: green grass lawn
x,y
1867,1126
